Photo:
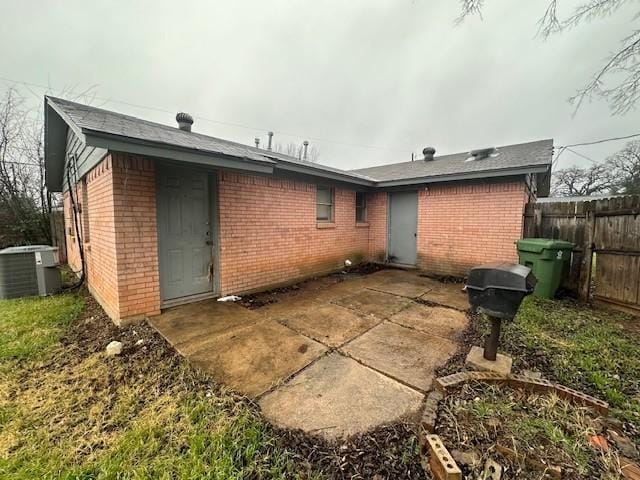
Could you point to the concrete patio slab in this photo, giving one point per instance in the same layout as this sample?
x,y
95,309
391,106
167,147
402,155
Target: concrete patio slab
x,y
440,321
388,347
410,289
402,353
187,325
337,397
371,302
255,358
330,324
448,294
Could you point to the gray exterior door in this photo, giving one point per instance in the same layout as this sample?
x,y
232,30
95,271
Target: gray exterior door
x,y
403,227
184,232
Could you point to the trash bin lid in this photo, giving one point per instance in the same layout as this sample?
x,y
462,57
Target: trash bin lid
x,y
27,249
537,245
504,276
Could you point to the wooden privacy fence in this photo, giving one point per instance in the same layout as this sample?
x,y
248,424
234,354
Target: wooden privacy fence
x,y
605,262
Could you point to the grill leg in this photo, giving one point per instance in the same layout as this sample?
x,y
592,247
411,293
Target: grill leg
x,y
491,345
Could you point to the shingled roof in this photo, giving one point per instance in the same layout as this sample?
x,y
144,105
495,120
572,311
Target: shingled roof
x,y
526,156
99,128
93,120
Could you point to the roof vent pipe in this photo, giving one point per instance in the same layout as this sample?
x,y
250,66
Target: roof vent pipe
x,y
270,140
428,152
306,145
184,121
482,153
257,140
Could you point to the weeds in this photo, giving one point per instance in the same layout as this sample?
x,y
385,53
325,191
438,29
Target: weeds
x,y
580,347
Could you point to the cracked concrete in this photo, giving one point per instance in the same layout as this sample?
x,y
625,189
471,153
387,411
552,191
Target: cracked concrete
x,y
333,358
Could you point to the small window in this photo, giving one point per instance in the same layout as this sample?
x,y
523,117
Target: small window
x,y
324,204
361,207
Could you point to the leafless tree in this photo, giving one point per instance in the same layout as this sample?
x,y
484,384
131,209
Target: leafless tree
x,y
620,173
25,204
576,181
297,150
618,80
625,166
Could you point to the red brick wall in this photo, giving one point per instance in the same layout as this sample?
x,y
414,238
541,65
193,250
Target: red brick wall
x,y
119,219
269,234
464,225
100,251
377,219
136,236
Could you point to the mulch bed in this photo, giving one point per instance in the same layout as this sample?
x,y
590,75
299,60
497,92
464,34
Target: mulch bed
x,y
527,434
260,299
388,452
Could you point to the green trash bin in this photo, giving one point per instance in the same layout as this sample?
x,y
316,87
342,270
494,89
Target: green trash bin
x,y
549,261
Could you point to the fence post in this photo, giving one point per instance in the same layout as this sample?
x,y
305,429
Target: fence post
x,y
584,287
537,222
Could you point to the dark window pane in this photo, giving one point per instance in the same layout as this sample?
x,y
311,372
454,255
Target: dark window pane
x,y
361,207
324,196
323,213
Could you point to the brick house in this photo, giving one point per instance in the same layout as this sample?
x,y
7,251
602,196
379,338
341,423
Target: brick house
x,y
163,215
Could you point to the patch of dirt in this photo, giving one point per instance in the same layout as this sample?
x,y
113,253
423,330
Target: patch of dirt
x,y
525,433
476,333
261,299
470,336
444,278
388,452
93,331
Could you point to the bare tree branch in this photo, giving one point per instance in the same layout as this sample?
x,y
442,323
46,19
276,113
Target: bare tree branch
x,y
24,201
297,150
624,94
469,8
618,80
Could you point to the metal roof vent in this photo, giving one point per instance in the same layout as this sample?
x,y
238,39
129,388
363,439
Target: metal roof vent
x,y
428,152
184,121
482,153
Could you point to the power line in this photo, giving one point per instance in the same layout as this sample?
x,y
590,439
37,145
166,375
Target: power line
x,y
582,155
289,134
603,140
220,122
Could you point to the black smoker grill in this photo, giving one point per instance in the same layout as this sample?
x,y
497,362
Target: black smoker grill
x,y
497,289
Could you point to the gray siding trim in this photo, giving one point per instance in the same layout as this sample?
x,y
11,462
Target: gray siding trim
x,y
87,157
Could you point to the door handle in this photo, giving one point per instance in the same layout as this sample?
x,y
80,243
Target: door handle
x,y
209,242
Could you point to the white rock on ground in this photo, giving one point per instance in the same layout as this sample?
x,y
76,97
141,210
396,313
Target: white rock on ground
x,y
114,348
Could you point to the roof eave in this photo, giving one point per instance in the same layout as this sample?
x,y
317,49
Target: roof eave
x,y
325,174
55,143
135,146
505,172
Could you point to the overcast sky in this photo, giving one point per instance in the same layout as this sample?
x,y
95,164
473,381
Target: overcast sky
x,y
366,82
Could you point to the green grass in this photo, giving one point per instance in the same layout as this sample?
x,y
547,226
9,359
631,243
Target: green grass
x,y
29,325
587,349
146,414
